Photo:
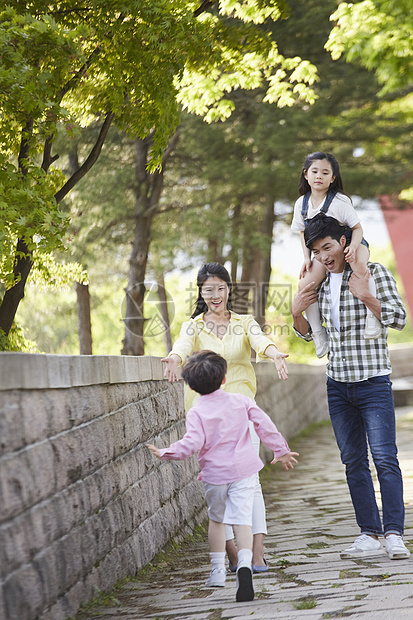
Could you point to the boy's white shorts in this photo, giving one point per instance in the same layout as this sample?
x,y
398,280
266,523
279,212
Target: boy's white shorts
x,y
231,503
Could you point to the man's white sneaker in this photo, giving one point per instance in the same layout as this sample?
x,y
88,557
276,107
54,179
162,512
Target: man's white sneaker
x,y
216,578
364,546
372,328
395,547
321,342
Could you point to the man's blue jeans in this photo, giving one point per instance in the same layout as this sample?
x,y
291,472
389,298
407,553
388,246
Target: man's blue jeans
x,y
365,411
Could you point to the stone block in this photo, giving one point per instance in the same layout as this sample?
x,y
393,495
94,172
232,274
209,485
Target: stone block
x,y
158,369
13,548
16,484
35,416
144,368
117,368
59,371
12,434
89,370
23,371
24,594
131,368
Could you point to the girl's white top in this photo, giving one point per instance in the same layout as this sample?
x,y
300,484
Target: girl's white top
x,y
341,208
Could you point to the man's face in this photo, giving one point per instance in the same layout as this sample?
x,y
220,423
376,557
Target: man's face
x,y
330,253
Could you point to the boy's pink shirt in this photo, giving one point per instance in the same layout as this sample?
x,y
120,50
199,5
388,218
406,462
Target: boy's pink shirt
x,y
217,427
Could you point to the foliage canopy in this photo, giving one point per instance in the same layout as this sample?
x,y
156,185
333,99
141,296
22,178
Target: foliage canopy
x,y
134,62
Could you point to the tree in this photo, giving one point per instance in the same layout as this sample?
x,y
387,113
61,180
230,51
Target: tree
x,y
379,35
130,61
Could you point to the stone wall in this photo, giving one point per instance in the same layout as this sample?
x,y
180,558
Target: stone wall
x,y
82,501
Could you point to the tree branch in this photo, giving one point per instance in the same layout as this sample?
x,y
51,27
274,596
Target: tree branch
x,y
89,161
48,159
204,6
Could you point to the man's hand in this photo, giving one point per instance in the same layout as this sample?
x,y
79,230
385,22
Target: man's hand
x,y
359,287
303,299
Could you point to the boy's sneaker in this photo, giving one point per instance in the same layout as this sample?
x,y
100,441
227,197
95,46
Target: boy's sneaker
x,y
216,578
245,588
395,547
321,342
372,328
363,547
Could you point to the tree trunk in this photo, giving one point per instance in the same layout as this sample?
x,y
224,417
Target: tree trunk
x,y
163,301
84,323
148,190
83,319
13,296
252,291
133,342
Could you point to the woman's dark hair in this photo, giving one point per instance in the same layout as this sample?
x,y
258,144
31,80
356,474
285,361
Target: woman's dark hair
x,y
215,270
204,371
336,185
321,226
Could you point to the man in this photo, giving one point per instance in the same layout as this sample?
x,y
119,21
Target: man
x,y
359,393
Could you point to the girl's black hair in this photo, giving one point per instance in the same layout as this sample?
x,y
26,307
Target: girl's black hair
x,y
336,185
215,270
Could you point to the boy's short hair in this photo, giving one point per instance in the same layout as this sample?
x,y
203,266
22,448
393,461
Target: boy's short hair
x,y
321,226
204,371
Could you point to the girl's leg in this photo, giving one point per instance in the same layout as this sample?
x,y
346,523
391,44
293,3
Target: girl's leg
x,y
231,548
259,523
316,275
359,266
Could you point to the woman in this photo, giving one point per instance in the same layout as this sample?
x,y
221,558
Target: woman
x,y
215,327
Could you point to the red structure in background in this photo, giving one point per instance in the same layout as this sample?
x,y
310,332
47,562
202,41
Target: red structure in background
x,y
399,221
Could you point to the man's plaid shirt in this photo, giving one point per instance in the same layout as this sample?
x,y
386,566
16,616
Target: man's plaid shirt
x,y
353,358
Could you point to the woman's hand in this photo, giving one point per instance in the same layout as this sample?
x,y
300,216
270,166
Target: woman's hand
x,y
281,366
171,368
306,266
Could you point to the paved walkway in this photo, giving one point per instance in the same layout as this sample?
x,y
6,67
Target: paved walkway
x,y
310,519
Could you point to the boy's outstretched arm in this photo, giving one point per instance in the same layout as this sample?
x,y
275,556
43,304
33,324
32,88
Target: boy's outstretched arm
x,y
287,460
155,451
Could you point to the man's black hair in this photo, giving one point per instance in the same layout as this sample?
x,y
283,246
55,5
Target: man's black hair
x,y
204,371
321,226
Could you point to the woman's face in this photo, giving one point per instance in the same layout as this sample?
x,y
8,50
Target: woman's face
x,y
215,293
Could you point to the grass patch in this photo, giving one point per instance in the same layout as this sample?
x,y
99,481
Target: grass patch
x,y
317,545
349,574
305,603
